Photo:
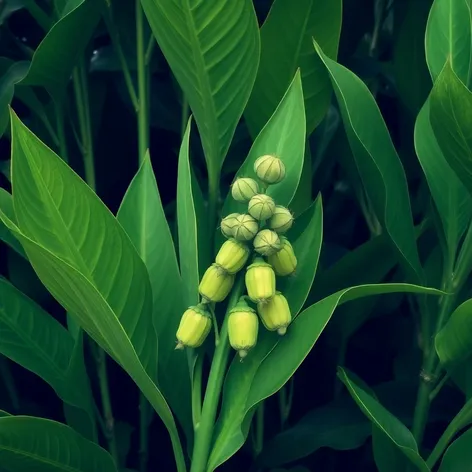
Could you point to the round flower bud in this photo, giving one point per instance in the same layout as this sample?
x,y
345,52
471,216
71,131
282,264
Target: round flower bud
x,y
232,256
284,261
260,281
246,228
215,284
244,189
194,327
228,223
269,169
267,242
261,207
281,221
243,326
275,314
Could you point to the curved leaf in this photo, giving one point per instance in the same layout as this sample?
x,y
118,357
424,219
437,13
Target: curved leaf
x,y
286,44
213,50
6,206
457,456
377,161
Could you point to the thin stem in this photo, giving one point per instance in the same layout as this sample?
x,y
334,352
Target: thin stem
x,y
61,132
149,49
185,114
38,14
197,392
204,434
9,383
438,387
213,195
259,429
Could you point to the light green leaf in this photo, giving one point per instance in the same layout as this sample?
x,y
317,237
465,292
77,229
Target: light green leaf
x,y
452,200
448,38
457,456
450,104
213,51
32,338
142,216
273,361
377,161
391,426
286,44
28,444
6,206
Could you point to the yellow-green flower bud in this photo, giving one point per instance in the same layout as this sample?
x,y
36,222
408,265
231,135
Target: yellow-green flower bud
x,y
261,207
275,314
228,224
260,281
267,242
281,221
194,327
284,261
232,256
246,228
269,169
243,326
244,189
216,283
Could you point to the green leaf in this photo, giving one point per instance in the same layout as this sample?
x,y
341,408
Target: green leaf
x,y
28,443
282,54
387,456
6,206
390,426
450,103
377,161
85,259
452,200
213,51
457,456
142,216
32,338
283,135
448,38
273,361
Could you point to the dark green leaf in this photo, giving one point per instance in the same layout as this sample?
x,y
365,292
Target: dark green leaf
x,y
457,457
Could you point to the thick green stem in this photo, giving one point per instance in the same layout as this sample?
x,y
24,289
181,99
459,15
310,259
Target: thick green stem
x,y
204,434
197,392
259,430
61,132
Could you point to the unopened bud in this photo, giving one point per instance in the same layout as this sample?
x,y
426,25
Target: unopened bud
x,y
269,169
194,327
284,261
244,189
246,228
216,283
281,221
228,223
275,314
261,207
260,281
267,242
232,256
243,326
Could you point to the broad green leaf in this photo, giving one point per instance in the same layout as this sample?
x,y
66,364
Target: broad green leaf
x,y
450,104
387,456
187,224
6,206
32,338
391,426
452,200
142,216
377,161
457,456
283,135
339,425
448,38
286,44
28,443
213,50
273,361
87,262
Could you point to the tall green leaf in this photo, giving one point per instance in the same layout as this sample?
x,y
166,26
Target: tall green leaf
x,y
28,444
457,456
6,206
388,424
448,38
273,361
32,338
142,216
213,50
450,105
377,161
286,44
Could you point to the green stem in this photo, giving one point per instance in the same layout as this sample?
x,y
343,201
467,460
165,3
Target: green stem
x,y
61,132
213,195
149,49
197,392
185,114
38,14
204,434
144,412
9,383
259,429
